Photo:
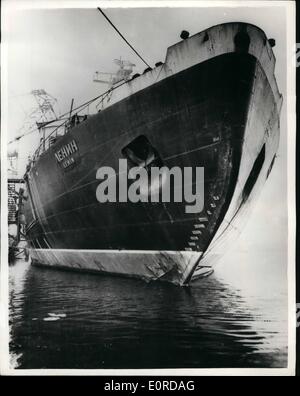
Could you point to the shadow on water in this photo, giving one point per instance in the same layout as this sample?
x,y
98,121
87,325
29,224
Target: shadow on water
x,y
69,320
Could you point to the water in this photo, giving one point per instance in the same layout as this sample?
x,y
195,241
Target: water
x,y
69,320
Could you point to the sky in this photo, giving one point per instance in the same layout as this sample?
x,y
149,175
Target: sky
x,y
60,49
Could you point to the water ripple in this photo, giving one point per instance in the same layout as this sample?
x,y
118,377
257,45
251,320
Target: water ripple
x,y
69,320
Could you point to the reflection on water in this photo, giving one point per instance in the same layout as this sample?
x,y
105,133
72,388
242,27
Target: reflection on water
x,y
69,320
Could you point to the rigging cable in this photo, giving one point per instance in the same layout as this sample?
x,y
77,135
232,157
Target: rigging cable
x,y
81,107
99,9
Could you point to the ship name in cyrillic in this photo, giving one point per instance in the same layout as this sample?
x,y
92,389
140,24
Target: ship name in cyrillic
x,y
66,150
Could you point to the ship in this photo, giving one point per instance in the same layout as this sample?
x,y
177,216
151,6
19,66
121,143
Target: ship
x,y
213,103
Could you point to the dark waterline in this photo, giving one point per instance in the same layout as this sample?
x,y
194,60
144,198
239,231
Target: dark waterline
x,y
69,320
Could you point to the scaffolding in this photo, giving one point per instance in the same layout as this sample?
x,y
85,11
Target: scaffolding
x,y
16,217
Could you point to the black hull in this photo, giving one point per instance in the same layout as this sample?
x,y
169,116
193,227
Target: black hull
x,y
196,118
